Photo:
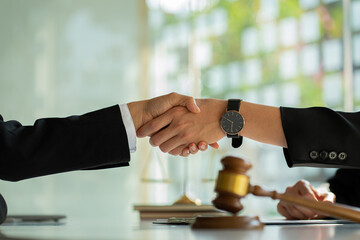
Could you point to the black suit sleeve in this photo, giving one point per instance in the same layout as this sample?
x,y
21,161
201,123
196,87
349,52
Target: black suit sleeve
x,y
53,145
321,137
345,186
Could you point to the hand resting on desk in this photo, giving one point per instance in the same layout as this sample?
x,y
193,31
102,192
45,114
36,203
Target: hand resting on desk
x,y
303,188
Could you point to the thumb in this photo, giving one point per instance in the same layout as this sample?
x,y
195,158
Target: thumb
x,y
176,99
214,145
327,197
191,105
317,194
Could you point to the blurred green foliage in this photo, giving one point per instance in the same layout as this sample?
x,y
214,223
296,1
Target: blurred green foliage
x,y
227,48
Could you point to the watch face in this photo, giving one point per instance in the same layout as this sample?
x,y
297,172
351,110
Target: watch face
x,y
232,122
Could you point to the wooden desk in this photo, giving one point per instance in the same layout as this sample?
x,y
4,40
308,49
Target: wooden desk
x,y
143,230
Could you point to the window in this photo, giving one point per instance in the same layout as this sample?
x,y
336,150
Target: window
x,y
271,52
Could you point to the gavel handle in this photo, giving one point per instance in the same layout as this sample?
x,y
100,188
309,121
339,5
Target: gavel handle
x,y
329,209
326,208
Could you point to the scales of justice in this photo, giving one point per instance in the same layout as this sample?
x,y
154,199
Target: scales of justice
x,y
186,205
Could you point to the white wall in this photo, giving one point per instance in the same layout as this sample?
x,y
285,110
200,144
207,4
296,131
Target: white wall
x,y
59,58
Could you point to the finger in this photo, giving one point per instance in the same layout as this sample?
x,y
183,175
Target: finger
x,y
294,212
177,151
324,196
171,144
319,216
185,152
305,190
193,148
282,210
328,197
309,214
152,134
316,193
161,137
153,126
192,106
182,100
214,145
203,146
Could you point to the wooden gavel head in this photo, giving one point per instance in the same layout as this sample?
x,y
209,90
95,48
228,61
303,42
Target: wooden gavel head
x,y
232,184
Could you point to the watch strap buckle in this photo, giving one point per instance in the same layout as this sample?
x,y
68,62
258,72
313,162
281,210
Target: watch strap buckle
x,y
236,142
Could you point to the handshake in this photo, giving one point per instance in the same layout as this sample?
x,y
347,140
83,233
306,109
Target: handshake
x,y
178,124
181,125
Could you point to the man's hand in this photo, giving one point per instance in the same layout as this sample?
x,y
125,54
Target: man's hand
x,y
193,148
304,189
144,111
184,127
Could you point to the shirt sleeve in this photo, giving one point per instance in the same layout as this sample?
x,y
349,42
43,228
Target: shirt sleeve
x,y
129,127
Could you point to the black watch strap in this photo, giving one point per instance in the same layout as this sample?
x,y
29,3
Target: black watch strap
x,y
236,142
234,105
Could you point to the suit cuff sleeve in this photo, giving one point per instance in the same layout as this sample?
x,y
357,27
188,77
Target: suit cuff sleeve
x,y
312,134
129,127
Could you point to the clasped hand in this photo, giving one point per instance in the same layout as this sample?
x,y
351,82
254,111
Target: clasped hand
x,y
304,189
182,126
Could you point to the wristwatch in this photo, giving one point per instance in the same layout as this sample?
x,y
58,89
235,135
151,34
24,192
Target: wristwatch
x,y
232,122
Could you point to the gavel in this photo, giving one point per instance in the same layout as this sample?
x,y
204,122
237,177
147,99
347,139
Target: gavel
x,y
233,184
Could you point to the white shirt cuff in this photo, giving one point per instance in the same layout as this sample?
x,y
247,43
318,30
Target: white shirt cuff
x,y
129,127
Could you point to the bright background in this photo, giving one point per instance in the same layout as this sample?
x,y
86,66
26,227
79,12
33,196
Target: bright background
x,y
62,57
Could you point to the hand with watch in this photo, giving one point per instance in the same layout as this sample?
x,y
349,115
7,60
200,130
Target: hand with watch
x,y
263,124
184,127
232,122
177,129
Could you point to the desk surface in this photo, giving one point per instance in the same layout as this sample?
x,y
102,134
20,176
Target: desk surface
x,y
142,230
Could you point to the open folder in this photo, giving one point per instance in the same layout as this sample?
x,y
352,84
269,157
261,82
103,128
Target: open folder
x,y
188,221
34,220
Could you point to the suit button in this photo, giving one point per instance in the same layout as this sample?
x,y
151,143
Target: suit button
x,y
342,156
332,155
314,155
324,155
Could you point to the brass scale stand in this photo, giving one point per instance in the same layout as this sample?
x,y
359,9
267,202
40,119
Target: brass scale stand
x,y
184,198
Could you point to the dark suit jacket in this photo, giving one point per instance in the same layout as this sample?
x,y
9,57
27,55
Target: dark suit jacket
x,y
345,185
53,145
313,133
